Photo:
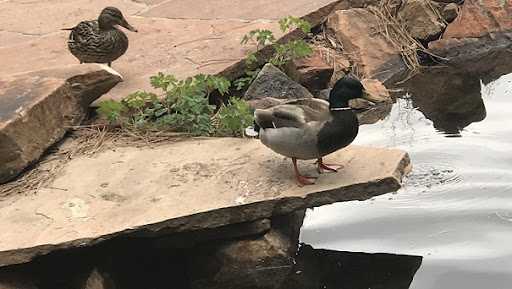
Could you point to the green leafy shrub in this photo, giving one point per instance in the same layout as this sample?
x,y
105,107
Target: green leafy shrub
x,y
282,52
235,117
183,108
112,109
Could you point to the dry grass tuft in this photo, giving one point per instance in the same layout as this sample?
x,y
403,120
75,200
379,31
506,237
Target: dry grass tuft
x,y
390,26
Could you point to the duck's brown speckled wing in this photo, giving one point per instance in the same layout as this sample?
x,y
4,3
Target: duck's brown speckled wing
x,y
90,45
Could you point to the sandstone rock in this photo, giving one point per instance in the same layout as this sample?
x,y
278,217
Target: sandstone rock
x,y
359,104
95,280
377,91
339,61
341,65
249,263
324,94
40,18
479,37
312,73
272,82
369,51
99,280
227,9
168,188
450,12
38,107
480,18
448,1
232,231
421,21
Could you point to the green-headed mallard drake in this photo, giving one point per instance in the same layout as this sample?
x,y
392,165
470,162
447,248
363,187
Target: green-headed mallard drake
x,y
100,41
311,128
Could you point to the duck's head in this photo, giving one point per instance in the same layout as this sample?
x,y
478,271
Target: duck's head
x,y
112,16
345,89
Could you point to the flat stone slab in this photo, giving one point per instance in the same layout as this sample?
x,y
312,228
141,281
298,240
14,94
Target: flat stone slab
x,y
229,9
40,18
183,186
179,47
175,37
38,107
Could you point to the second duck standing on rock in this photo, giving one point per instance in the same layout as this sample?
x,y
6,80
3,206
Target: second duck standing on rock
x,y
312,128
100,41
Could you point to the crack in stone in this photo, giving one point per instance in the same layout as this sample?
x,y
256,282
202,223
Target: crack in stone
x,y
44,35
43,215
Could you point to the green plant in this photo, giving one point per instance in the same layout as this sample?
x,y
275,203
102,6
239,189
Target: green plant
x,y
242,81
186,102
282,52
112,109
235,117
183,107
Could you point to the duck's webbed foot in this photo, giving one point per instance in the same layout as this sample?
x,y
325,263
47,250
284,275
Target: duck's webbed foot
x,y
325,167
301,180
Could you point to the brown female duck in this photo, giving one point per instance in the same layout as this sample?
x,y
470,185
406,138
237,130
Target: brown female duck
x,y
100,41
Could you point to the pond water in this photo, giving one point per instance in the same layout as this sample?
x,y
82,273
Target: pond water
x,y
455,207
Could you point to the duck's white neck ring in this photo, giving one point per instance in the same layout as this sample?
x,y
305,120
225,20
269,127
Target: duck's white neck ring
x,y
340,108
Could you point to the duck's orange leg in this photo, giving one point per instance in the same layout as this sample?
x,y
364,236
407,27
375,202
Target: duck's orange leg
x,y
330,168
300,179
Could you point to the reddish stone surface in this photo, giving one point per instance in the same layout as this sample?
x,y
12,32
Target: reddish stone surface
x,y
372,54
179,47
478,18
11,38
482,28
229,9
312,73
44,17
444,46
450,12
151,2
420,19
175,37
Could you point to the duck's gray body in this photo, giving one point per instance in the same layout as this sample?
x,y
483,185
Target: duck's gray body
x,y
311,128
306,128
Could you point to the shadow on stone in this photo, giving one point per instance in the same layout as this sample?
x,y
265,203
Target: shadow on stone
x,y
317,268
266,259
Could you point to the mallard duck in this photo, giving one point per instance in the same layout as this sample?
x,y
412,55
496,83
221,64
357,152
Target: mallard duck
x,y
100,41
311,128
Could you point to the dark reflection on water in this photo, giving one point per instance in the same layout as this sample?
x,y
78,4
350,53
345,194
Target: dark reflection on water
x,y
455,207
451,101
317,268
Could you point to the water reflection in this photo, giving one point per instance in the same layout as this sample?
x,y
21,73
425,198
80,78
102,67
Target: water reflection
x,y
452,101
455,208
317,268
